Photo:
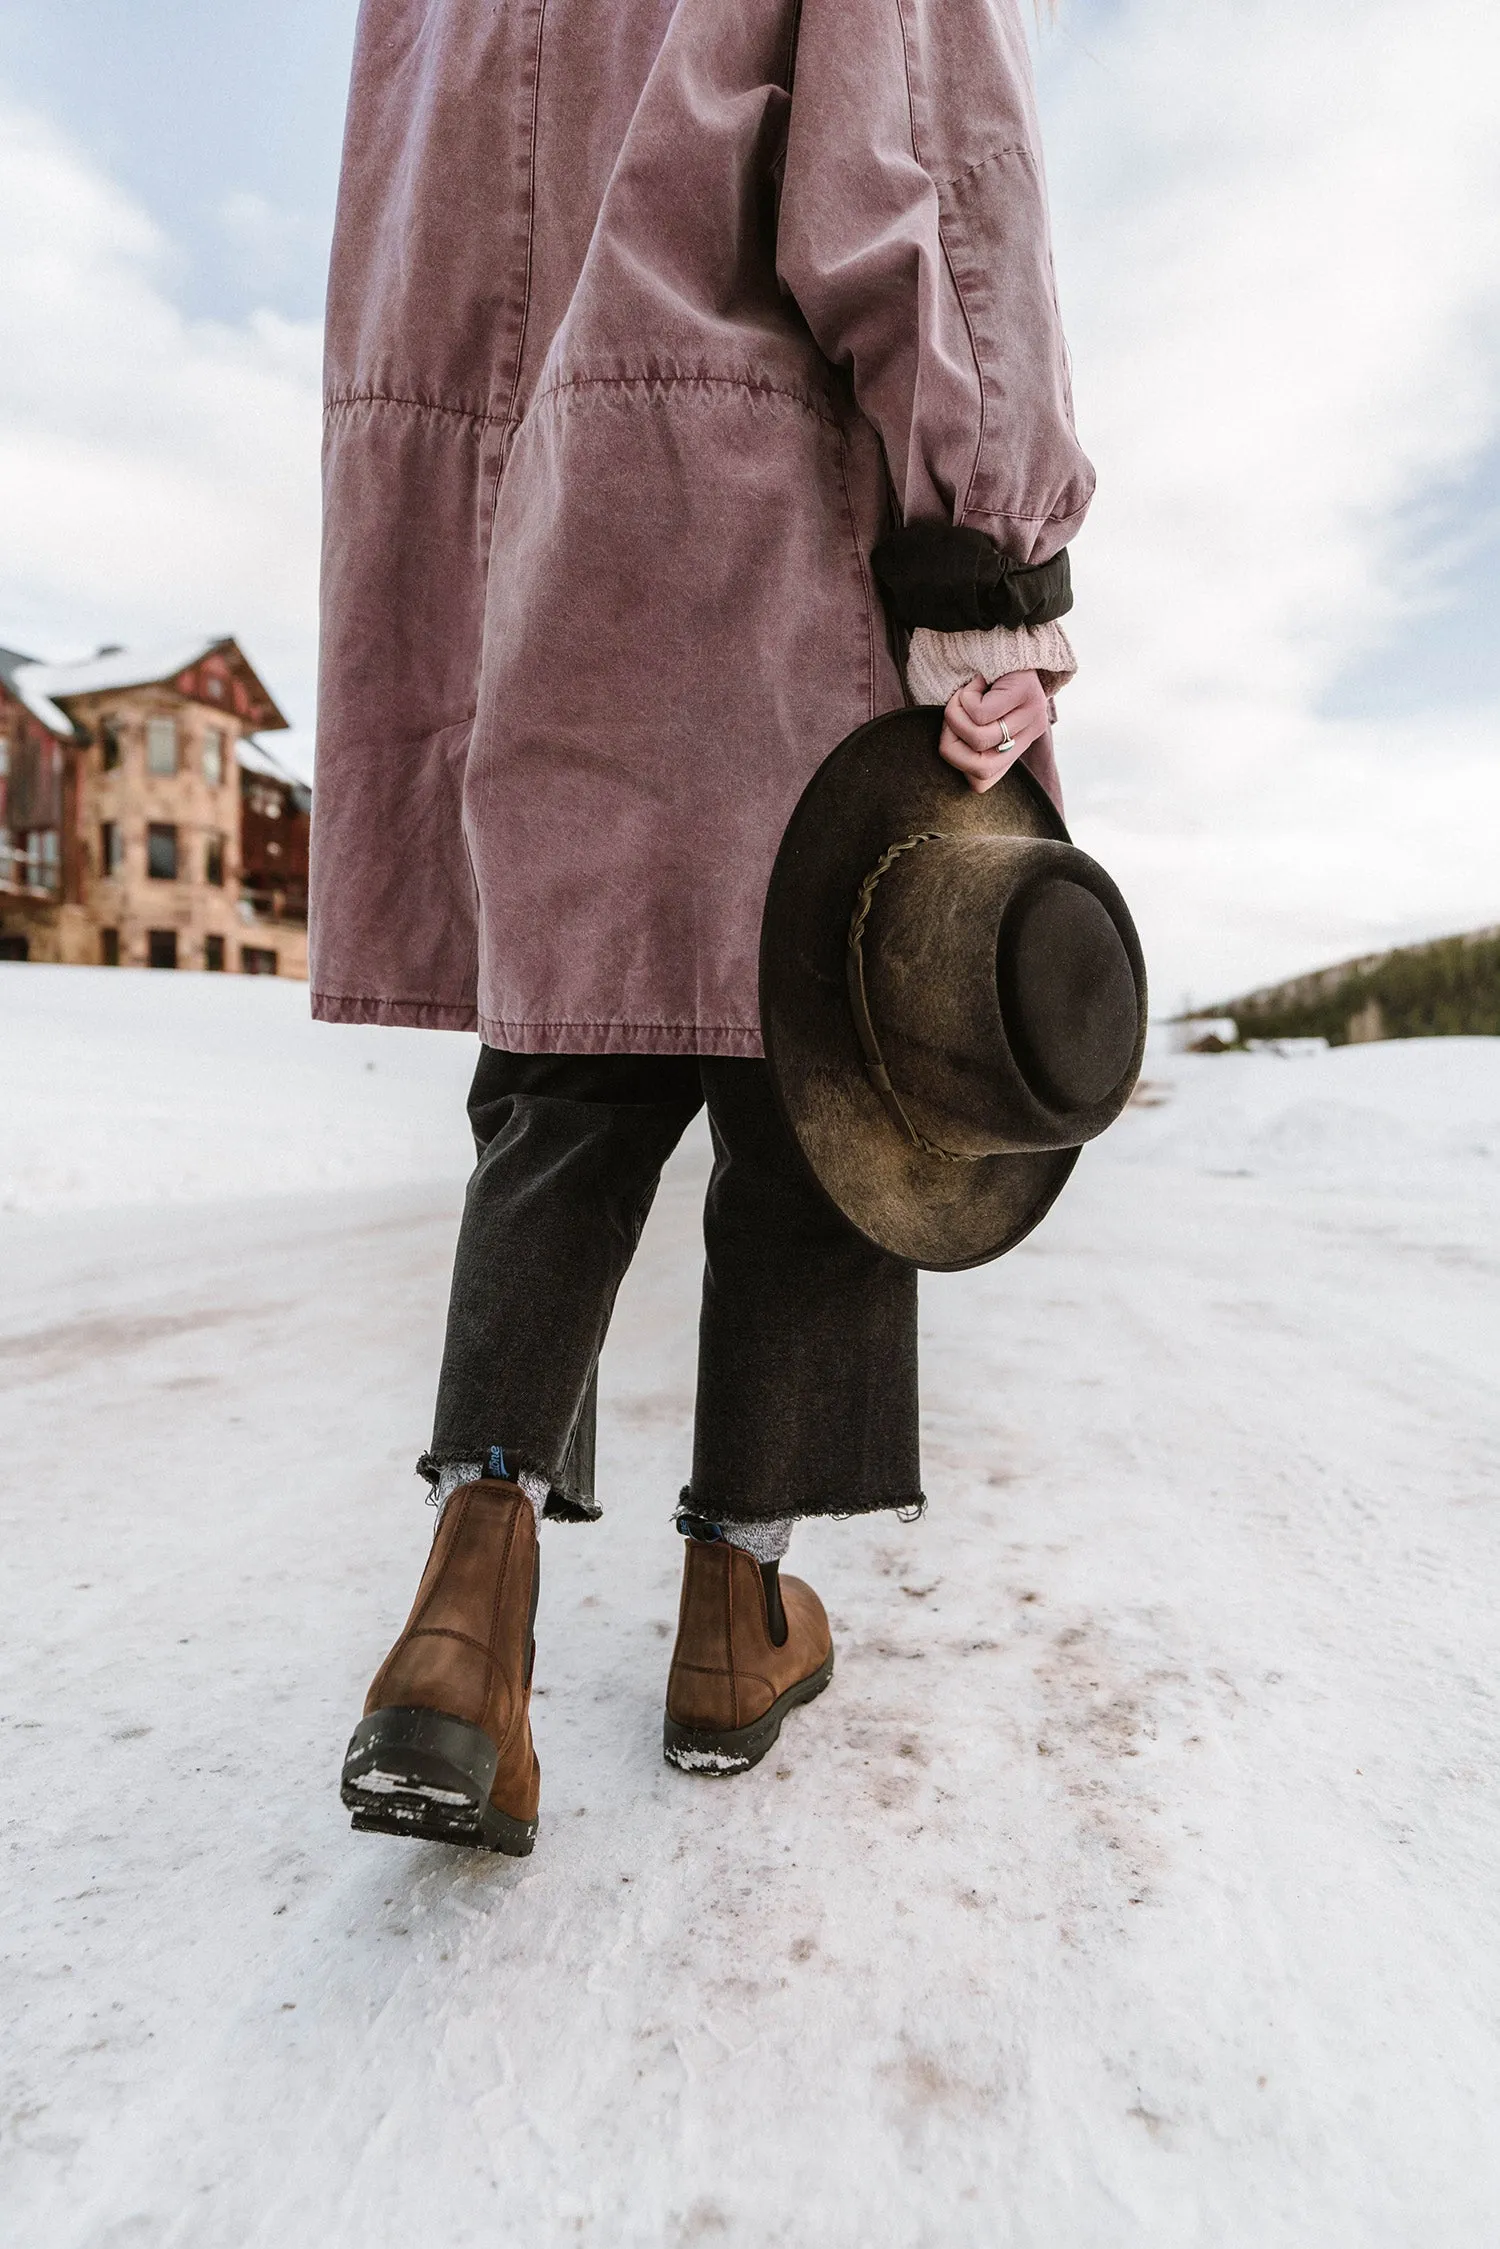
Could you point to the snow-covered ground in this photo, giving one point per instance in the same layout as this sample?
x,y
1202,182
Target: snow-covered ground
x,y
1133,1887
120,1086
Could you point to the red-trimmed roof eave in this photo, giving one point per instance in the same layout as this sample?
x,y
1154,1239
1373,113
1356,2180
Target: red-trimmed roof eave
x,y
265,717
260,716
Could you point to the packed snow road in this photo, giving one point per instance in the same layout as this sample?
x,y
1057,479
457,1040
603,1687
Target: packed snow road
x,y
1133,1886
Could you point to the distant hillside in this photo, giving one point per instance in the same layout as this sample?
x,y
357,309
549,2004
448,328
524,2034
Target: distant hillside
x,y
1447,987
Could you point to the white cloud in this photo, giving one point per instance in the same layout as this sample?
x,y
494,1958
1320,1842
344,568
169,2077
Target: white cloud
x,y
270,240
1279,237
158,475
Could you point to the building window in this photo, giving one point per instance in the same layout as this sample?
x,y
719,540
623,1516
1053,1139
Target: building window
x,y
213,952
213,861
111,847
257,960
14,948
161,852
213,758
109,947
161,745
42,858
109,745
161,948
7,857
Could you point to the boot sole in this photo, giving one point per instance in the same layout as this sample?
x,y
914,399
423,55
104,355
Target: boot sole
x,y
419,1773
697,1749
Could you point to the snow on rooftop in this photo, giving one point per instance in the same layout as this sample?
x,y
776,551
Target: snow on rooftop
x,y
125,667
42,687
39,685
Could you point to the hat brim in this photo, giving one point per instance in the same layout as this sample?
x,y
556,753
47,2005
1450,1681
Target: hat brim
x,y
884,782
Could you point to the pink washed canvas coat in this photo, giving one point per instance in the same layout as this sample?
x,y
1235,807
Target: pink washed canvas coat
x,y
645,320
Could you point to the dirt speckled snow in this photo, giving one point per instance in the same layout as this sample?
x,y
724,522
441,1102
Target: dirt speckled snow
x,y
1132,1887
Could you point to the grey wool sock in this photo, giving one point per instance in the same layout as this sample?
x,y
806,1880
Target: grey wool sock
x,y
766,1541
456,1472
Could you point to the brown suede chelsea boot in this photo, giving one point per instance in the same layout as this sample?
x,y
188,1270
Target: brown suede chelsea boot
x,y
444,1751
751,1645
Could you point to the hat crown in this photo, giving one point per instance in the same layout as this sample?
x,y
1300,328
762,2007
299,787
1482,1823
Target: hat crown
x,y
1067,993
1005,991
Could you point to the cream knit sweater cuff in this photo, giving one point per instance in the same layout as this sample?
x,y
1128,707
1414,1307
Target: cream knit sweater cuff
x,y
939,663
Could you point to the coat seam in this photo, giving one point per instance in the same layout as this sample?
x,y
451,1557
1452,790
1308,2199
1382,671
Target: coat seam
x,y
961,511
967,171
486,418
677,382
961,514
864,576
1024,515
598,1023
483,415
536,97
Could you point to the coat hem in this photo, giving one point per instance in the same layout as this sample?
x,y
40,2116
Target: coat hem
x,y
729,1041
401,1014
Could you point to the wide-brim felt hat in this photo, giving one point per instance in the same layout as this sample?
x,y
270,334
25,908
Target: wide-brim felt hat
x,y
952,995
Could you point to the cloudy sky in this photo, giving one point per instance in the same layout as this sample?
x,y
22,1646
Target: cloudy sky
x,y
1278,233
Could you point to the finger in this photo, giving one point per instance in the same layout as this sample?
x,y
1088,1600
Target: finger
x,y
993,741
1013,691
1018,697
974,736
959,753
980,768
1025,722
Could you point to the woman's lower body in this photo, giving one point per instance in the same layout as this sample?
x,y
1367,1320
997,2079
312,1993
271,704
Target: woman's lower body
x,y
806,1405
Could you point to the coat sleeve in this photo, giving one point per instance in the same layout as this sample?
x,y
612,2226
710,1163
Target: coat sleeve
x,y
913,235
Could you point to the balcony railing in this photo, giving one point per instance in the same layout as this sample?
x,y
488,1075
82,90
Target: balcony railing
x,y
270,903
31,867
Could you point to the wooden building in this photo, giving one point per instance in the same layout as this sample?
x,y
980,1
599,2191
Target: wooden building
x,y
275,827
135,828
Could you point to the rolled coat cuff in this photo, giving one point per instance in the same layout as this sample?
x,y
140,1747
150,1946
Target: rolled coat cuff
x,y
937,664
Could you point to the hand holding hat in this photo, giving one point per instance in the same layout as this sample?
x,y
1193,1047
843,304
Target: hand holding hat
x,y
953,998
986,728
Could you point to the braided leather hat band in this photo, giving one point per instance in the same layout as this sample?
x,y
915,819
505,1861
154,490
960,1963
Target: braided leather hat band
x,y
859,1001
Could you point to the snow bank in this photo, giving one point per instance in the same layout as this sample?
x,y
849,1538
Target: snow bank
x,y
123,1086
1415,1116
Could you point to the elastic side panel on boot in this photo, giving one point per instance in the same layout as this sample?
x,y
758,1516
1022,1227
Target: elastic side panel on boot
x,y
776,1624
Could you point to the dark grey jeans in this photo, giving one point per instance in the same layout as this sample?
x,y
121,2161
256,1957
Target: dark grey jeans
x,y
807,1354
